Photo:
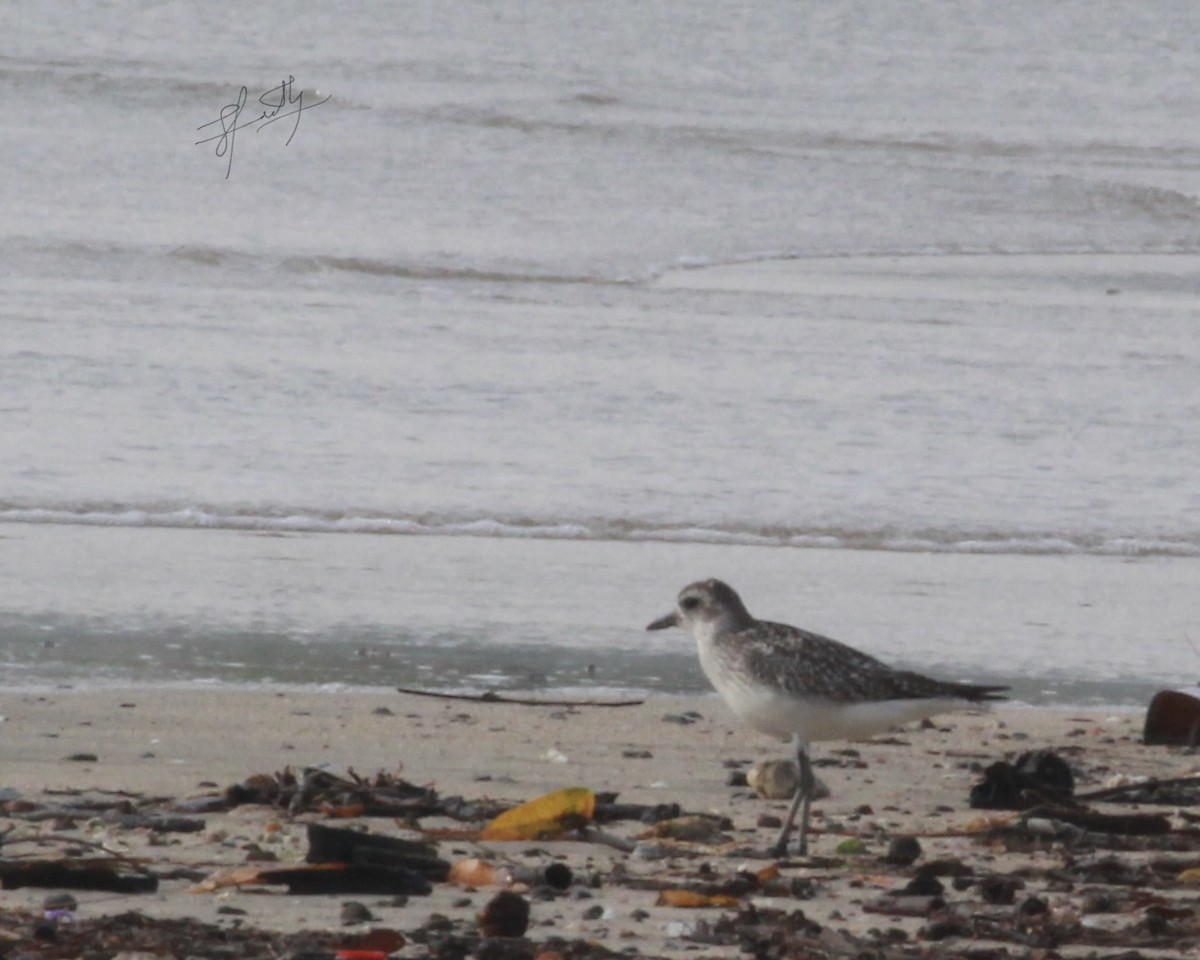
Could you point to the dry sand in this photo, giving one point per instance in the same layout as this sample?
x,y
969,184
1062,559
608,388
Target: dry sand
x,y
179,743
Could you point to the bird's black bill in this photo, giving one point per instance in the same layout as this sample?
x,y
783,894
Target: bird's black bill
x,y
670,620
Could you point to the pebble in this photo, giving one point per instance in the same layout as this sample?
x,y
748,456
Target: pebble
x,y
683,719
355,912
506,915
649,850
903,851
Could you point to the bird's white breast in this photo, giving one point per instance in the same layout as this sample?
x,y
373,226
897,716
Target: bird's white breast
x,y
775,711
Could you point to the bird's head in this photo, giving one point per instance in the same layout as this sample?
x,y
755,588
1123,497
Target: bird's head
x,y
705,604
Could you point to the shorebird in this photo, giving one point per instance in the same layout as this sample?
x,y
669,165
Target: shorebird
x,y
801,686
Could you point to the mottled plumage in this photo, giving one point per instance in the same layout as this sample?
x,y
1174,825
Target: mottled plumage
x,y
807,664
795,684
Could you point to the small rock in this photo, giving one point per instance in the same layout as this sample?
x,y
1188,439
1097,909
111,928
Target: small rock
x,y
903,851
924,886
1000,890
1032,906
355,912
650,850
60,901
83,758
506,915
1098,901
779,780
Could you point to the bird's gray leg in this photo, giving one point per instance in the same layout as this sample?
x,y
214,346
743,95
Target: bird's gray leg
x,y
805,788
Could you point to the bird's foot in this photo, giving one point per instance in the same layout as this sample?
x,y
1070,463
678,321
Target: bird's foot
x,y
779,851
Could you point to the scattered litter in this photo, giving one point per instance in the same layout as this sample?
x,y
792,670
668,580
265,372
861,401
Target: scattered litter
x,y
1173,718
1036,777
547,816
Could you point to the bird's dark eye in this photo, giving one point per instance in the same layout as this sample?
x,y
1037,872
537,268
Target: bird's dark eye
x,y
690,603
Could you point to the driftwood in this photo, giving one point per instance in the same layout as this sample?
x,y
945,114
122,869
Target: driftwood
x,y
492,697
78,874
1140,791
155,823
337,845
1130,824
339,878
320,791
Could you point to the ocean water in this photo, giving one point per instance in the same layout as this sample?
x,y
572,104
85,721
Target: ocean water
x,y
534,312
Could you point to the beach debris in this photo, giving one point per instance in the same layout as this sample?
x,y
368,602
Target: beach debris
x,y
1173,791
693,828
608,810
77,873
1084,819
505,915
1173,718
317,790
684,719
59,908
1036,777
902,851
779,779
476,872
1107,882
353,912
774,779
135,935
155,823
342,846
550,815
490,696
346,861
693,900
323,878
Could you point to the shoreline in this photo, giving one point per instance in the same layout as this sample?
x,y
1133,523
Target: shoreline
x,y
586,695
453,613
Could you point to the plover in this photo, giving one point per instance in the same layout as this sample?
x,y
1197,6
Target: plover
x,y
801,686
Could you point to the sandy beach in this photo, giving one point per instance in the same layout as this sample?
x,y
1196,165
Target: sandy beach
x,y
163,745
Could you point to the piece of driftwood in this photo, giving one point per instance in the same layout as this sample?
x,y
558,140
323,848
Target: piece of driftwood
x,y
607,812
78,874
155,823
337,878
338,845
1141,791
1129,824
491,696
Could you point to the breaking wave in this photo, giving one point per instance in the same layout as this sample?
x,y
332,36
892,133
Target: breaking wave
x,y
287,520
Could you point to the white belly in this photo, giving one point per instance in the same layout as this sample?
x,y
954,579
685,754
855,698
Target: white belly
x,y
775,712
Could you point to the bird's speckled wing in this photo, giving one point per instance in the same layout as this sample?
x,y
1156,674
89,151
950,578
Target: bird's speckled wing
x,y
810,665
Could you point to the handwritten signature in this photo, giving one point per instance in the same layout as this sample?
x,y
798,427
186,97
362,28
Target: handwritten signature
x,y
274,100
